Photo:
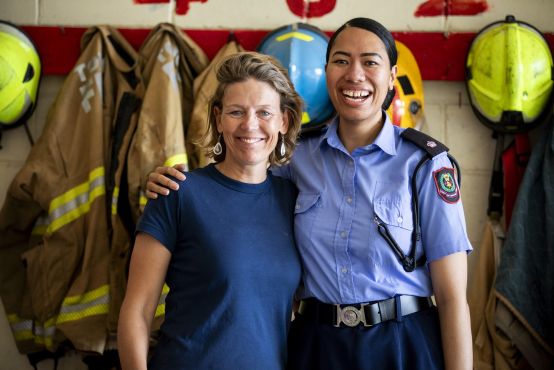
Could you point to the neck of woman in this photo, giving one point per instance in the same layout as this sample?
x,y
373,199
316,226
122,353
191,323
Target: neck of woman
x,y
359,133
255,174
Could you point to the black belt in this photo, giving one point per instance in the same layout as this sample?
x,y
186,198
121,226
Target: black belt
x,y
368,314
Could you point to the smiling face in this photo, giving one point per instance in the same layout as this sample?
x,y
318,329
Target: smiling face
x,y
359,76
250,121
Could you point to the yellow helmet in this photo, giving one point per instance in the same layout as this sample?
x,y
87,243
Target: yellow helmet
x,y
509,76
19,75
406,109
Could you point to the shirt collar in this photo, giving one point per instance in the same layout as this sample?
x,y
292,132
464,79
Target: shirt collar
x,y
386,140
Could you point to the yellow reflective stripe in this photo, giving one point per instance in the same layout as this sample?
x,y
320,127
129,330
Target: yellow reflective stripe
x,y
48,342
98,309
91,303
160,310
142,199
115,196
95,302
72,193
41,224
45,334
76,202
176,159
169,162
24,330
296,35
305,117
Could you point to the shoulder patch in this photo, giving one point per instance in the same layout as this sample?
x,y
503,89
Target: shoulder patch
x,y
446,185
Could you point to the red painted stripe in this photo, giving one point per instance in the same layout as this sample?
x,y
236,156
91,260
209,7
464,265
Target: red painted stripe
x,y
439,57
431,8
311,9
467,7
150,1
434,8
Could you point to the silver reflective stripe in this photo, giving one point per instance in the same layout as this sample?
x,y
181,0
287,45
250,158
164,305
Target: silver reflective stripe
x,y
67,309
41,331
22,325
76,202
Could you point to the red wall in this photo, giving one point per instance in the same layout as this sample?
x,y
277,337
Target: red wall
x,y
439,57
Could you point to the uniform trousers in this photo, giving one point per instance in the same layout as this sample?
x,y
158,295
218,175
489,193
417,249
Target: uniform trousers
x,y
412,342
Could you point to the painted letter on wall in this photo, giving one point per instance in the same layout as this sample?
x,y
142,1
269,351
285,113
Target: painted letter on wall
x,y
432,8
311,9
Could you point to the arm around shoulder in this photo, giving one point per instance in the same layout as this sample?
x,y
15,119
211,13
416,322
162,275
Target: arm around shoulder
x,y
149,263
158,181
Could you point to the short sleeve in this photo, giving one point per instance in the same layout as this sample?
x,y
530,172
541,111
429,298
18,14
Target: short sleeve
x,y
442,219
160,219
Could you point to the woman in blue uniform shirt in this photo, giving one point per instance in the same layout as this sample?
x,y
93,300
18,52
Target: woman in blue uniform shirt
x,y
359,308
224,242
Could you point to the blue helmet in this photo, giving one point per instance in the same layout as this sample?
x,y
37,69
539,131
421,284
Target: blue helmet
x,y
301,49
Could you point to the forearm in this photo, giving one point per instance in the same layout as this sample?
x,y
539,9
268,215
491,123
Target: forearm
x,y
147,271
456,334
132,339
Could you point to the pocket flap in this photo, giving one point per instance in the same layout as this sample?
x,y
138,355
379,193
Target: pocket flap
x,y
305,201
392,207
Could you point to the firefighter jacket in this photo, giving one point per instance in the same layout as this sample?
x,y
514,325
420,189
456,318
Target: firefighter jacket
x,y
170,61
204,87
491,348
57,222
525,278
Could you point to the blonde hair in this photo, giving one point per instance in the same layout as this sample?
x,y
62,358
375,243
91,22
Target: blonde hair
x,y
238,68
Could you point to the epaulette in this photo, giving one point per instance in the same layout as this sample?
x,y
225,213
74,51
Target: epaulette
x,y
431,146
313,132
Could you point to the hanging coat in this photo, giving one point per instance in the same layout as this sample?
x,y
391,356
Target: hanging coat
x,y
491,348
56,224
204,87
170,61
525,279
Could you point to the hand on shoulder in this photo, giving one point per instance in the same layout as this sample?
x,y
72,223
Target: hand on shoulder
x,y
159,182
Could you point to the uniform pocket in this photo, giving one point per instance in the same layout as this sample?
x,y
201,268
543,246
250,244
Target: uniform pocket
x,y
306,212
392,206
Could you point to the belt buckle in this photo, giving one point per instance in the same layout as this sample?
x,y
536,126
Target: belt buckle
x,y
350,315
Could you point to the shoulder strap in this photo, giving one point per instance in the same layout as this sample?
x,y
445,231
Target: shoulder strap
x,y
428,144
432,148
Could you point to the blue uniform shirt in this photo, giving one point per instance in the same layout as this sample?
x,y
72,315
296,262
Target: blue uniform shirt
x,y
341,195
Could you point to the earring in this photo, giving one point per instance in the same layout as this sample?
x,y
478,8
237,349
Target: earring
x,y
218,148
282,148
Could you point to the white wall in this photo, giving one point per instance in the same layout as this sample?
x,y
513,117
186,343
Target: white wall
x,y
449,117
397,15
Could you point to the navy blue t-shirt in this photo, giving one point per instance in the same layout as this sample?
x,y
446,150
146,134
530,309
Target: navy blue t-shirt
x,y
233,272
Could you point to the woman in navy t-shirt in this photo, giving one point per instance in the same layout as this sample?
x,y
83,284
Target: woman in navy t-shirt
x,y
224,242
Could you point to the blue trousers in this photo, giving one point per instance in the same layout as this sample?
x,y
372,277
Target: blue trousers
x,y
411,342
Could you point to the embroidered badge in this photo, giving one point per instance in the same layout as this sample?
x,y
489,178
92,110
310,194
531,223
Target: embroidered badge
x,y
446,185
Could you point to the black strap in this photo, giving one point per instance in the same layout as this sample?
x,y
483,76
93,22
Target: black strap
x,y
432,148
109,360
496,187
128,105
36,357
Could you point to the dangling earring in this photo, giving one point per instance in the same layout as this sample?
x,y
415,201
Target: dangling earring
x,y
218,148
282,148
